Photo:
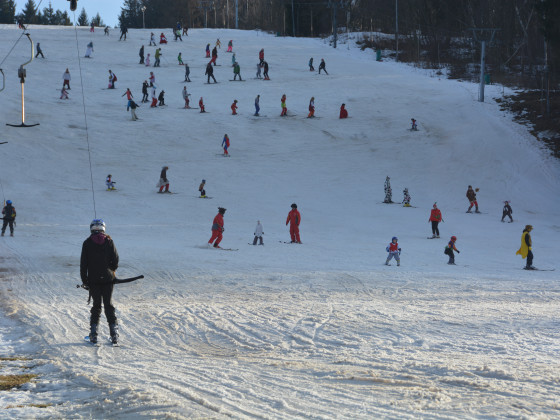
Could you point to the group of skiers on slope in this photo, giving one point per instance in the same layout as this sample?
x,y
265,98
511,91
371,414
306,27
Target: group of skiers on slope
x,y
322,66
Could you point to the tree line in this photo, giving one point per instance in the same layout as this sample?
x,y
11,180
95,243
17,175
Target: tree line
x,y
48,16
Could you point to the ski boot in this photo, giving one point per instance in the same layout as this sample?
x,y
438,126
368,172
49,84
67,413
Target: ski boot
x,y
114,329
93,334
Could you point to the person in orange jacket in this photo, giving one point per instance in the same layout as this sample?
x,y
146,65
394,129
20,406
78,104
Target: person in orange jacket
x,y
435,218
234,107
294,219
201,105
217,228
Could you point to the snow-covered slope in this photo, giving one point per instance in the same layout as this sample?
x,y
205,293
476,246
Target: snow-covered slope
x,y
320,330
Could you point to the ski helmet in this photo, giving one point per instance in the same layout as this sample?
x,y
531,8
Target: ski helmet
x,y
221,210
204,181
294,205
453,238
9,202
435,205
97,225
394,239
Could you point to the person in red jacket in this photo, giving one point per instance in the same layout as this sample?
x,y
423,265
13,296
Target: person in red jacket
x,y
294,219
217,228
234,107
343,112
261,56
435,218
201,105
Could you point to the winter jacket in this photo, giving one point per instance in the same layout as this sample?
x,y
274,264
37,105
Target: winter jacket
x,y
218,223
158,53
215,52
343,112
236,69
261,55
435,215
145,88
451,246
259,230
163,175
294,217
209,70
526,244
99,260
225,141
507,209
66,76
471,195
9,212
393,248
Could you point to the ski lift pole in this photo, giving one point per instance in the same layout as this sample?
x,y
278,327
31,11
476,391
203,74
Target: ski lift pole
x,y
3,80
22,73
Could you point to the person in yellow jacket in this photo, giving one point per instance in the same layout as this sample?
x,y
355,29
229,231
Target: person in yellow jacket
x,y
526,247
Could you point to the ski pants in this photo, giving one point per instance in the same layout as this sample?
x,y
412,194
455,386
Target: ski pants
x,y
474,203
311,112
529,258
133,113
145,97
257,109
451,255
508,214
235,76
5,225
394,255
66,84
294,232
213,60
225,150
156,64
166,188
435,229
154,103
284,112
211,76
102,293
141,60
39,52
187,103
216,236
258,238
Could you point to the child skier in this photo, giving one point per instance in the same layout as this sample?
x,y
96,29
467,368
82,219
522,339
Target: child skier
x,y
152,39
311,108
217,228
207,50
343,112
66,79
187,72
89,50
413,127
471,195
283,105
237,71
406,200
388,191
152,79
162,39
449,250
229,46
163,181
201,189
294,219
9,216
154,97
234,107
180,59
259,67
311,68
322,66
526,249
265,70
201,105
112,80
257,107
258,233
225,144
64,95
214,55
148,60
435,218
145,91
394,251
218,43
507,211
186,97
161,98
110,183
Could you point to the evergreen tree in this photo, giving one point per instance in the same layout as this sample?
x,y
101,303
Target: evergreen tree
x,y
97,21
64,19
48,15
83,18
131,15
7,11
30,12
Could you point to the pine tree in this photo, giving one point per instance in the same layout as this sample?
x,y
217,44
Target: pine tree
x,y
97,21
131,15
29,12
7,11
82,18
48,15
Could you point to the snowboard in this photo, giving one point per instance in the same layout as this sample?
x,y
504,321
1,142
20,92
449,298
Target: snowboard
x,y
539,269
431,237
168,192
207,198
285,242
231,80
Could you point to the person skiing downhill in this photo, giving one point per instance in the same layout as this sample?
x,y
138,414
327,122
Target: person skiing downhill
x,y
132,106
180,59
210,73
187,72
407,198
218,43
234,108
225,144
152,79
343,112
294,219
435,218
201,189
261,55
233,60
471,195
394,251
257,106
283,105
507,211
201,105
526,249
311,68
145,91
154,97
258,233
152,39
265,70
214,56
217,228
311,108
161,98
148,60
449,250
98,262
112,80
66,79
124,31
92,27
141,54
322,66
9,216
186,97
163,181
229,46
207,50
89,50
237,71
388,191
110,183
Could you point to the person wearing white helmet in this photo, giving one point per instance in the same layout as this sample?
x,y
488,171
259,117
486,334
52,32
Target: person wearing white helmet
x,y
98,263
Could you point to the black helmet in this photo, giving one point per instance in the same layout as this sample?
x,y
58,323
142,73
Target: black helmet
x,y
221,210
294,205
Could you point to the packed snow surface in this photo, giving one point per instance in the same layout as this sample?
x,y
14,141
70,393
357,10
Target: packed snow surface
x,y
319,330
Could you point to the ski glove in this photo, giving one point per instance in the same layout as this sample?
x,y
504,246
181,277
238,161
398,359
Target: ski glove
x,y
85,286
458,252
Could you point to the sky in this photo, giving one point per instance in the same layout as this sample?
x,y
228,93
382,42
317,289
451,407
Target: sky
x,y
109,10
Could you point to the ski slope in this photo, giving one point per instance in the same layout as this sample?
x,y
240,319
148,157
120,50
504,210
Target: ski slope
x,y
319,330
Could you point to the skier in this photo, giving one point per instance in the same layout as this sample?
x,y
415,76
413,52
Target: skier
x,y
163,181
210,72
148,60
110,183
435,218
322,66
178,35
225,144
257,107
311,68
132,106
471,195
158,56
92,27
89,50
294,219
230,46
9,216
343,112
406,200
64,93
526,249
234,107
154,97
106,31
449,250
187,72
217,228
112,80
98,263
141,54
233,60
207,50
186,97
507,211
261,55
161,98
128,94
394,251
66,79
124,31
145,91
283,105
218,43
258,233
237,72
214,55
162,39
185,31
39,50
201,105
311,108
413,127
388,191
201,189
152,39
259,67
152,79
180,59
265,70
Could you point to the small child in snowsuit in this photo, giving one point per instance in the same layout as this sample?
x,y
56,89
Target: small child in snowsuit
x,y
110,183
413,127
225,144
471,196
259,67
283,105
311,68
449,250
234,107
311,108
64,95
180,59
186,97
394,251
258,233
230,46
388,191
201,189
201,105
507,211
406,200
161,98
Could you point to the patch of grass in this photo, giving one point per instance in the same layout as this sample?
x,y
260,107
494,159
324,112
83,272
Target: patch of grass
x,y
30,405
8,382
13,358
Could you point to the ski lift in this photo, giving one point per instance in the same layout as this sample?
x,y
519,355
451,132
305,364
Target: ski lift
x,y
22,74
3,80
73,5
